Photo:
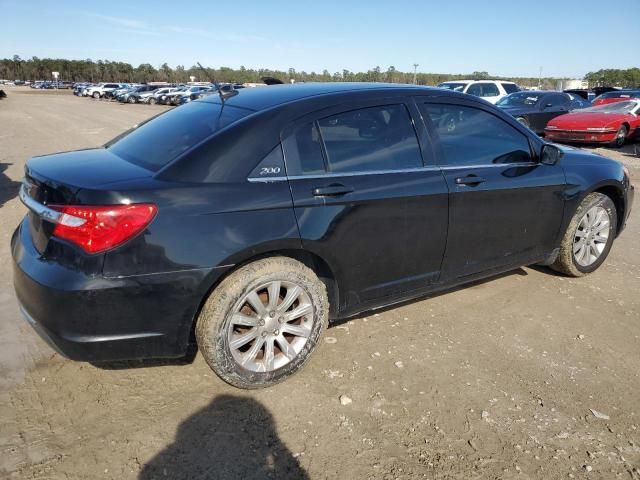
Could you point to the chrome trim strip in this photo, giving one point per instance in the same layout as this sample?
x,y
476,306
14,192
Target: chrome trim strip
x,y
345,174
382,172
489,165
38,208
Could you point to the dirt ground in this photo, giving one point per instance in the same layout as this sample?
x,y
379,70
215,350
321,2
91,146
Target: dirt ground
x,y
529,375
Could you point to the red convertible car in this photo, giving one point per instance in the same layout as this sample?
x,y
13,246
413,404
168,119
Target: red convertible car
x,y
613,123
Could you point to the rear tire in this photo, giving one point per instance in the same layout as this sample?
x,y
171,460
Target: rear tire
x,y
273,351
589,236
131,99
96,95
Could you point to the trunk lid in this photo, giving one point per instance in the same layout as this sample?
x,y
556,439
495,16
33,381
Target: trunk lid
x,y
56,179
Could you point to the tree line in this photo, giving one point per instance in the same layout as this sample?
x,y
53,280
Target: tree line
x,y
614,77
89,70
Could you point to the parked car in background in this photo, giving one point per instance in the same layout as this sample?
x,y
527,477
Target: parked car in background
x,y
612,124
190,226
178,97
100,89
154,96
535,108
489,90
113,94
616,96
139,94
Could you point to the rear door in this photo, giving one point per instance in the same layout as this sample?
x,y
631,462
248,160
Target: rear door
x,y
364,199
505,208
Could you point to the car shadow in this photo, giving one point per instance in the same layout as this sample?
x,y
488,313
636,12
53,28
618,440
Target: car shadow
x,y
232,437
8,188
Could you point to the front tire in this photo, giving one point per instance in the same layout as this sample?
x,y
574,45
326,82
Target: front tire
x,y
131,100
96,95
621,137
261,324
589,236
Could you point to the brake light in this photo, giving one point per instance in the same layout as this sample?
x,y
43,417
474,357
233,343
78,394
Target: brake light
x,y
99,228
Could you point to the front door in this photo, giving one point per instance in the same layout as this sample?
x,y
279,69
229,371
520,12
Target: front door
x,y
505,208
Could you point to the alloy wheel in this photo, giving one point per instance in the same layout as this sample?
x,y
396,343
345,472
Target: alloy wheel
x,y
270,326
591,236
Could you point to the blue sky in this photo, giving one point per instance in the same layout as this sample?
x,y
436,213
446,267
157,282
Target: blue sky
x,y
508,38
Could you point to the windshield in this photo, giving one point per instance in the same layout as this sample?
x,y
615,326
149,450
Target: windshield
x,y
155,143
456,87
519,99
618,107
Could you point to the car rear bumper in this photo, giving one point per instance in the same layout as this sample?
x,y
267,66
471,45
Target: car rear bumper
x,y
92,318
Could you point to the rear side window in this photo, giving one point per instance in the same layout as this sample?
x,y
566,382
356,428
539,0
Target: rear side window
x,y
510,87
483,90
370,139
470,136
155,143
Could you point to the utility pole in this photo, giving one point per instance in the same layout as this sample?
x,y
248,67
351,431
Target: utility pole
x,y
540,79
415,70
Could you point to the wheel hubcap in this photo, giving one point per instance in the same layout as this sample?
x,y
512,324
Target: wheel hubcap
x,y
270,326
591,236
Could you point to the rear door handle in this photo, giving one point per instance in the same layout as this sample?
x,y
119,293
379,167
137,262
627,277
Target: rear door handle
x,y
332,190
470,180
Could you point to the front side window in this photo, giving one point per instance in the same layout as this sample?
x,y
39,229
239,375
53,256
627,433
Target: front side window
x,y
470,136
555,100
370,139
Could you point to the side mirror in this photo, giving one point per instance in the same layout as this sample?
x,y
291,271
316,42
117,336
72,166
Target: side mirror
x,y
550,154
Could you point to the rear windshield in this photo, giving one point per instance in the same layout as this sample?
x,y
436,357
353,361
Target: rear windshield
x,y
155,143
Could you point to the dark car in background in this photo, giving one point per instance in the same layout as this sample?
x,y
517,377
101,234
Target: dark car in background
x,y
535,108
244,223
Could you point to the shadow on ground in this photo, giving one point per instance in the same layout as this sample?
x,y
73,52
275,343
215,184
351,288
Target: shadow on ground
x,y
8,188
232,437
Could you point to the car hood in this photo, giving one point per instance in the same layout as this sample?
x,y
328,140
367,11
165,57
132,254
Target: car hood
x,y
584,120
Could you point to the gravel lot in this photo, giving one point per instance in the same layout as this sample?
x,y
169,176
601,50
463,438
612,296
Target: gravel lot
x,y
528,375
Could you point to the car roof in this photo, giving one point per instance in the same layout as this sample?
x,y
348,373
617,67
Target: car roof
x,y
261,98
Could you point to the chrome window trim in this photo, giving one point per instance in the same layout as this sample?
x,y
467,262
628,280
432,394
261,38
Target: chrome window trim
x,y
345,174
382,172
38,208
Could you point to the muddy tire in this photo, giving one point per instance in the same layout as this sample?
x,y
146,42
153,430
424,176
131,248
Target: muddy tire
x,y
261,324
589,236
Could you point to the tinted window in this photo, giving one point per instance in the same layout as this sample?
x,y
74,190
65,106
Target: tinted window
x,y
155,143
303,151
510,87
456,87
555,100
370,139
470,136
483,90
271,166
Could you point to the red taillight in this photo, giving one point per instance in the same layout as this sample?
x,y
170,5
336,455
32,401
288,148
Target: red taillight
x,y
99,228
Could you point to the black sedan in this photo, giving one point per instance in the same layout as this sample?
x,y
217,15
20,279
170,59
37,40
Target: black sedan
x,y
535,108
246,223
